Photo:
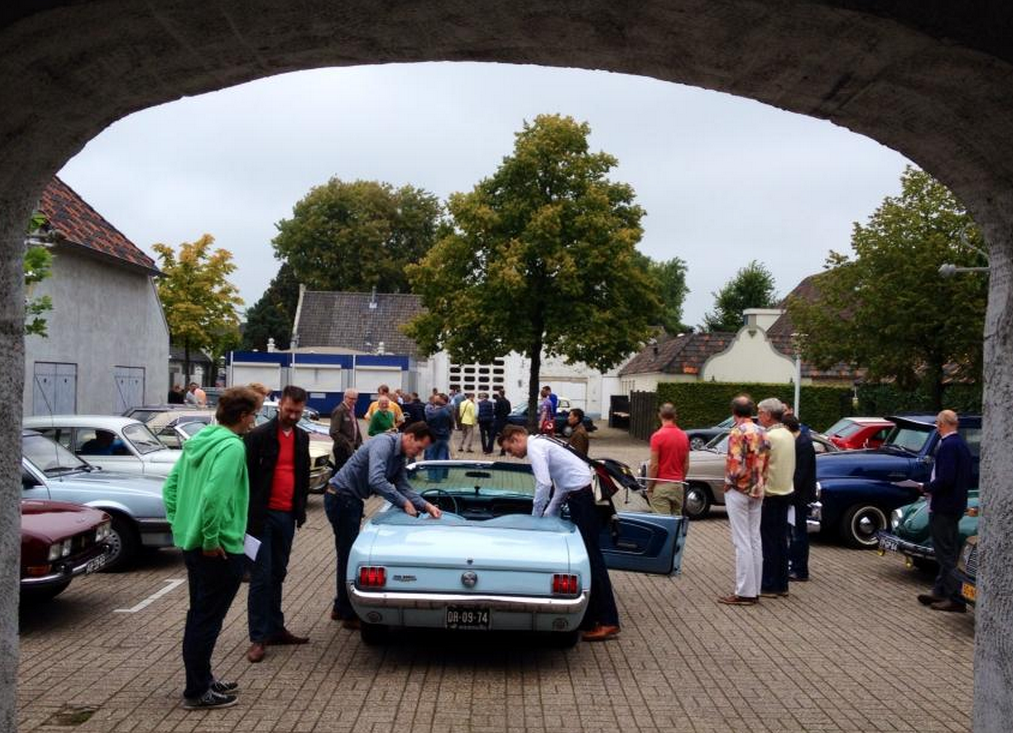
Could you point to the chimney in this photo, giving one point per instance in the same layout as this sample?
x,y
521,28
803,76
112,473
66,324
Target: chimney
x,y
372,299
762,318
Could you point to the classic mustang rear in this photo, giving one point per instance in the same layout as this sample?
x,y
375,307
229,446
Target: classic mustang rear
x,y
488,564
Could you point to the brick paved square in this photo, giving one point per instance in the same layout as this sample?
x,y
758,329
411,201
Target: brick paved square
x,y
849,651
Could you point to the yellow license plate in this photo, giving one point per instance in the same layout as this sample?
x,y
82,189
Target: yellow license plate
x,y
967,591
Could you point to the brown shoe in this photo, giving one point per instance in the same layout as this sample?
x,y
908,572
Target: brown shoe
x,y
335,616
256,652
927,599
734,600
601,633
286,637
352,624
951,606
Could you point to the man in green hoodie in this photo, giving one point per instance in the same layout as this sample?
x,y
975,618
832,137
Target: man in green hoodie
x,y
206,497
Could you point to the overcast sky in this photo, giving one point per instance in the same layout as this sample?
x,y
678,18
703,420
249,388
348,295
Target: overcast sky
x,y
723,179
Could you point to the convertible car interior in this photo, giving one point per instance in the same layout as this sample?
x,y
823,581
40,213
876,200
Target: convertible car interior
x,y
478,493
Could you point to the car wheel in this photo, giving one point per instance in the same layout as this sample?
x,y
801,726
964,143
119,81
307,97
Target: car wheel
x,y
372,634
697,443
697,503
36,595
860,525
124,545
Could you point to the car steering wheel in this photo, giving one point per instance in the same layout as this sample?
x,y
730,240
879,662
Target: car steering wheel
x,y
441,493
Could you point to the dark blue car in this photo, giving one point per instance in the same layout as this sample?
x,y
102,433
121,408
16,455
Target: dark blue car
x,y
858,489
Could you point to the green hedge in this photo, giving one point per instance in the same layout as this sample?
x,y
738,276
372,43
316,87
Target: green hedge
x,y
888,399
702,404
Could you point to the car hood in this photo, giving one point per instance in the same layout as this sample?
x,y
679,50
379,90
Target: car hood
x,y
123,483
873,464
516,542
50,521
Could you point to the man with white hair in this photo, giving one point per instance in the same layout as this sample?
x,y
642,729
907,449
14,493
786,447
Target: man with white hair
x,y
947,492
345,430
777,498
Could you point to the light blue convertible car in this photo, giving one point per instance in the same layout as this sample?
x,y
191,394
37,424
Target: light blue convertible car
x,y
488,564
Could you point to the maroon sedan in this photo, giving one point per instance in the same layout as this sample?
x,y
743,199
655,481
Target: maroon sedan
x,y
59,541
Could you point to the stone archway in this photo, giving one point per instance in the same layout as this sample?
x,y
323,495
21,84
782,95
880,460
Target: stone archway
x,y
930,79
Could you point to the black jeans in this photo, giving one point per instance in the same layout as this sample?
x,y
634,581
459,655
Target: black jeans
x,y
267,575
486,435
798,543
944,530
601,607
214,582
345,515
774,537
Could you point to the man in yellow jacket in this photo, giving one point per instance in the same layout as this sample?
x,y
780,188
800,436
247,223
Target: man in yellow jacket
x,y
206,499
467,419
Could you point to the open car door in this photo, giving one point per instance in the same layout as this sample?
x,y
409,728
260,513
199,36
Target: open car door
x,y
645,543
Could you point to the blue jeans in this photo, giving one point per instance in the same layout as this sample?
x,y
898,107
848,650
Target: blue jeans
x,y
267,574
213,583
601,607
774,537
345,515
798,539
438,450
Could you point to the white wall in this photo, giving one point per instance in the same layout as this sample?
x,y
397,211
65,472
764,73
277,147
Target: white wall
x,y
104,315
750,358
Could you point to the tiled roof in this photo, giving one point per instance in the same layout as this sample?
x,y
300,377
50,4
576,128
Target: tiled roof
x,y
345,320
682,354
81,225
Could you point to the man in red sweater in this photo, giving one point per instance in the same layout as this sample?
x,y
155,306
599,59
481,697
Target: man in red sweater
x,y
278,462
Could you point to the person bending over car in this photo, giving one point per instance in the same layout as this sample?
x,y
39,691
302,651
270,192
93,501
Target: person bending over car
x,y
554,465
378,467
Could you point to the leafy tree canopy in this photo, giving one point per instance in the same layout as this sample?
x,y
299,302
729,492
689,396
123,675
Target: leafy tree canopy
x,y
199,301
887,309
541,256
358,235
272,316
752,287
671,279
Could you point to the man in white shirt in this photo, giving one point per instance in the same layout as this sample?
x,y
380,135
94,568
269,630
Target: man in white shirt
x,y
561,476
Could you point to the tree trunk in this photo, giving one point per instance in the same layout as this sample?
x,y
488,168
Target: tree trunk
x,y
993,639
936,389
12,385
533,376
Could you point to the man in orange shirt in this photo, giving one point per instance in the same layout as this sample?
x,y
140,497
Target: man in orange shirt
x,y
278,462
669,464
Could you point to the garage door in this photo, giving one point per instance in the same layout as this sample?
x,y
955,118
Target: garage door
x,y
367,379
574,391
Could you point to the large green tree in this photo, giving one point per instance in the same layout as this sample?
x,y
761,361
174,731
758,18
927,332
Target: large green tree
x,y
670,276
199,301
358,235
752,287
887,309
541,259
272,316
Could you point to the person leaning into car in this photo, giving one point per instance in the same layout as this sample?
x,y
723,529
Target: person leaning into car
x,y
561,475
278,462
376,468
947,492
206,497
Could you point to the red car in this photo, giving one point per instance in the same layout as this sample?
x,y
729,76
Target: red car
x,y
59,541
853,433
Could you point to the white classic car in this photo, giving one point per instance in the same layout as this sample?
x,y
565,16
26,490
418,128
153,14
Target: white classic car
x,y
110,442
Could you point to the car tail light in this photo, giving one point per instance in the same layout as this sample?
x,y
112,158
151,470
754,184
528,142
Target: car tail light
x,y
372,577
36,571
565,585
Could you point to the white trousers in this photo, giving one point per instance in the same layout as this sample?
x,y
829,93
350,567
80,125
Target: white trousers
x,y
744,519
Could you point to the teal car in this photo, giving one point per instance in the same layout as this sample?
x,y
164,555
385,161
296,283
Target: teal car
x,y
909,531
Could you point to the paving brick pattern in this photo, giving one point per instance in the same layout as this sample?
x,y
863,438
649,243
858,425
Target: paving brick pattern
x,y
849,651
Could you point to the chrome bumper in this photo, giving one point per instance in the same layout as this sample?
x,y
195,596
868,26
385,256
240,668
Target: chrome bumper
x,y
68,571
814,522
436,601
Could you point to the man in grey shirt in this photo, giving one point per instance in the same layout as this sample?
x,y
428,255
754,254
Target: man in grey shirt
x,y
378,467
